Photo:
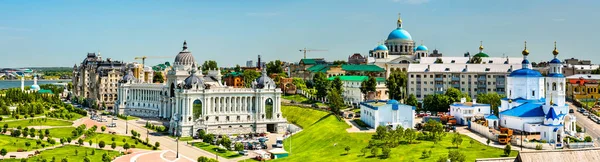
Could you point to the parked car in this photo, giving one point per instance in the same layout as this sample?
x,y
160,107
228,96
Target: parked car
x,y
585,113
244,152
571,111
428,113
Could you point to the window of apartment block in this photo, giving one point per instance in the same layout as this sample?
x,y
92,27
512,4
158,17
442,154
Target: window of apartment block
x,y
425,89
431,76
430,82
462,89
412,76
463,82
412,82
489,76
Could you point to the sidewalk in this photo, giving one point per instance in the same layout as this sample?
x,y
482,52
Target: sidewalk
x,y
465,131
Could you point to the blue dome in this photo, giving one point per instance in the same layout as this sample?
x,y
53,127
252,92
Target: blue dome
x,y
399,33
525,73
392,101
34,87
380,47
421,48
555,61
525,62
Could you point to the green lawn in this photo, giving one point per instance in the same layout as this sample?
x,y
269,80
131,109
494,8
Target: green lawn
x,y
34,122
322,131
12,144
62,132
129,118
68,152
301,99
212,149
183,138
107,138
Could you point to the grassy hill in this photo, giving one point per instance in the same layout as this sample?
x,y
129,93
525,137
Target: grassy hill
x,y
324,138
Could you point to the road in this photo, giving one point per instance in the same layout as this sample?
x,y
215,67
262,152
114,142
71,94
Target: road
x,y
591,128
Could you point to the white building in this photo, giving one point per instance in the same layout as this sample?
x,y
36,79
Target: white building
x,y
536,103
464,112
192,101
388,113
351,88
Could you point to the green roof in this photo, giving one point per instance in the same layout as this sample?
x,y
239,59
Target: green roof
x,y
371,68
42,91
357,78
481,54
233,74
318,68
308,61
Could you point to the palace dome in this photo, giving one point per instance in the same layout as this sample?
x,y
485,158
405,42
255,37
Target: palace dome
x,y
555,61
421,48
128,77
481,54
265,81
184,57
525,73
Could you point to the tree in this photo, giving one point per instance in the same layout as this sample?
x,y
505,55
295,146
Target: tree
x,y
113,139
101,144
209,138
321,84
488,141
205,159
209,64
364,151
80,142
86,159
27,144
90,142
47,132
158,77
249,76
103,128
436,102
374,151
347,148
239,146
226,142
157,144
457,139
438,61
455,95
435,129
69,139
412,100
385,152
339,62
3,152
410,135
475,60
337,85
336,102
76,152
396,84
201,134
456,156
126,146
587,139
490,98
113,145
64,160
275,67
596,71
507,150
299,83
471,142
237,68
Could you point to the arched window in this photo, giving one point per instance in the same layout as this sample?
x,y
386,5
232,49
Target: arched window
x,y
554,86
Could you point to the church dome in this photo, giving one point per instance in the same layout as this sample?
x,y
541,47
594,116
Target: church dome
x,y
34,87
525,73
392,101
380,47
421,48
184,57
128,77
399,33
555,61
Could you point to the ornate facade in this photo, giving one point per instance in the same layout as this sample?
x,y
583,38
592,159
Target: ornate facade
x,y
97,79
194,101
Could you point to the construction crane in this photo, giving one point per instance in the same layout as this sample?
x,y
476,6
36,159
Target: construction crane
x,y
309,50
143,58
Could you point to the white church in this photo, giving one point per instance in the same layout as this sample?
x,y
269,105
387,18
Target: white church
x,y
194,101
536,103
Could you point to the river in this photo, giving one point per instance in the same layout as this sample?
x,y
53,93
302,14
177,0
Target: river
x,y
5,84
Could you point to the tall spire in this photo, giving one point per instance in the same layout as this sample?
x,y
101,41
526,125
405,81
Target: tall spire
x,y
399,21
525,51
555,52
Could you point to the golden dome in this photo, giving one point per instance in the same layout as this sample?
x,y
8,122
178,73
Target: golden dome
x,y
525,51
480,45
555,52
399,19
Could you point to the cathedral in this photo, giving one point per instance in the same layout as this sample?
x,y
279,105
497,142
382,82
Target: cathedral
x,y
192,100
536,103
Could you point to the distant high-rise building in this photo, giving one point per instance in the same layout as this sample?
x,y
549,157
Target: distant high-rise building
x,y
249,63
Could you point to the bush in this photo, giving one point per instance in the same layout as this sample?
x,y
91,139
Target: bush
x,y
543,141
538,147
157,144
457,156
507,150
587,139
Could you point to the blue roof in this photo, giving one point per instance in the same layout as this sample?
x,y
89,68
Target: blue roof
x,y
380,47
399,33
470,105
392,101
551,114
395,104
421,48
530,109
492,117
556,75
525,73
555,129
35,87
523,100
555,61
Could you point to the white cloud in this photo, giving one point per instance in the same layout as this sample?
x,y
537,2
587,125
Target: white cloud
x,y
262,14
411,1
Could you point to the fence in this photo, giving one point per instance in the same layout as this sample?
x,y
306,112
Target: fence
x,y
483,130
576,145
516,141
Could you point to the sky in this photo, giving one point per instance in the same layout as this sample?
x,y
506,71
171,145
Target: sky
x,y
60,33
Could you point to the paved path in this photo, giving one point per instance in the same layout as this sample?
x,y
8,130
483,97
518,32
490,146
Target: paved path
x,y
354,128
479,138
591,128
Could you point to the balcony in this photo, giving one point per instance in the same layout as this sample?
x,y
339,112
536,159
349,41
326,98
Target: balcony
x,y
438,86
439,79
481,78
455,78
481,86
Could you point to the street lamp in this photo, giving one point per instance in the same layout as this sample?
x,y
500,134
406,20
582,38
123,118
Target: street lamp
x,y
177,139
126,124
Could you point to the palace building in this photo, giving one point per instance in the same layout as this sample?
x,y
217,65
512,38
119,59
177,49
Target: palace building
x,y
193,101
